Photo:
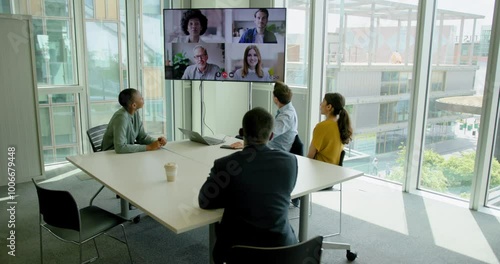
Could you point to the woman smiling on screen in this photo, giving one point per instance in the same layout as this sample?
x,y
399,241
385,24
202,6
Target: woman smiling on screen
x,y
252,67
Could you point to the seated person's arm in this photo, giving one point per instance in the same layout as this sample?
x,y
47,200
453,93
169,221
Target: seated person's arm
x,y
120,139
312,151
143,138
213,192
281,125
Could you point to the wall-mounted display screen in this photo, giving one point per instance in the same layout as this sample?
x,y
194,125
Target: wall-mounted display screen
x,y
225,44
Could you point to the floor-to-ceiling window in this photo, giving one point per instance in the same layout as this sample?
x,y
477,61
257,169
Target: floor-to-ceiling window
x,y
106,57
55,61
156,97
493,195
455,98
297,41
369,60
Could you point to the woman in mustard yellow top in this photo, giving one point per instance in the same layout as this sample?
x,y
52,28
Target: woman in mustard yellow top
x,y
330,135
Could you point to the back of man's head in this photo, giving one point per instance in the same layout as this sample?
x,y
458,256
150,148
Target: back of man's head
x,y
257,126
282,92
126,97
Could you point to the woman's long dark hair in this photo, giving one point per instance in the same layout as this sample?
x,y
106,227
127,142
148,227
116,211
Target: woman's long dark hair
x,y
337,101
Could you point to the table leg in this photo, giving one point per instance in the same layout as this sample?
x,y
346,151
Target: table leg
x,y
304,217
211,242
124,208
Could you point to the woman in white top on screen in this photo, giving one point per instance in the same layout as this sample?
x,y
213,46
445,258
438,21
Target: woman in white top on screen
x,y
252,67
193,24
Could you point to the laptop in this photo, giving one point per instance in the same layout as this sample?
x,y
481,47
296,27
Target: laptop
x,y
196,137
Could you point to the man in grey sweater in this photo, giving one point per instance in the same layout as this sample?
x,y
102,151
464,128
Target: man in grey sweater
x,y
125,132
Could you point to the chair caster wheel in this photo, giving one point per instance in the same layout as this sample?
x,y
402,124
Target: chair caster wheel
x,y
137,219
351,255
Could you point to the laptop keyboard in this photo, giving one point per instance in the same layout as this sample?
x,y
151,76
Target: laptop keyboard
x,y
213,141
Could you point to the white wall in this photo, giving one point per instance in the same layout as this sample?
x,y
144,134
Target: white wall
x,y
19,101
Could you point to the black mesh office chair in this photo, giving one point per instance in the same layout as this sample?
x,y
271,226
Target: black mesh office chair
x,y
61,217
95,135
305,252
297,149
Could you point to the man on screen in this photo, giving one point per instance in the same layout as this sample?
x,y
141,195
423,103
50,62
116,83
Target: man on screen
x,y
259,34
202,70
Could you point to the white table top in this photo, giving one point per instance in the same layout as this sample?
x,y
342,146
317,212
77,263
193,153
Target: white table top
x,y
140,178
313,175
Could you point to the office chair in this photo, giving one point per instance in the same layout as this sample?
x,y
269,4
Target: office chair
x,y
305,252
333,189
95,135
350,255
297,149
61,217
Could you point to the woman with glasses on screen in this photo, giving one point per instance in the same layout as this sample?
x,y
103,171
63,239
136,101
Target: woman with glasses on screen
x,y
252,67
193,24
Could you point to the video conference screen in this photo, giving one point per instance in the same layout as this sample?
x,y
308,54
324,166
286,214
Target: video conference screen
x,y
225,44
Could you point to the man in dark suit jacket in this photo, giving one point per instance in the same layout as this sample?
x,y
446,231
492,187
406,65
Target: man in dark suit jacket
x,y
253,186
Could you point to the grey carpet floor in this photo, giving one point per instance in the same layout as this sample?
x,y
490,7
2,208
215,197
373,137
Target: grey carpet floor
x,y
383,225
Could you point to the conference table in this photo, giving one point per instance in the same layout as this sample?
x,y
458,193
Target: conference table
x,y
140,179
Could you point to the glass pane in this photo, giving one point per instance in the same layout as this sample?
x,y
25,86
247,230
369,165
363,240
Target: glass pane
x,y
493,196
112,11
64,125
457,84
62,153
41,52
45,126
100,9
103,60
370,63
5,7
43,99
297,36
153,83
63,98
48,156
89,8
102,112
154,105
60,57
153,40
56,8
124,57
36,8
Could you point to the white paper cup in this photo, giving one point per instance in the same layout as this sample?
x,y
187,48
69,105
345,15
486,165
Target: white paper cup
x,y
171,171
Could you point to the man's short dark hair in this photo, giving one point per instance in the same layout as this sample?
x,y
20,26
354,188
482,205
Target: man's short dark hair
x,y
190,14
257,126
263,10
282,92
126,97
